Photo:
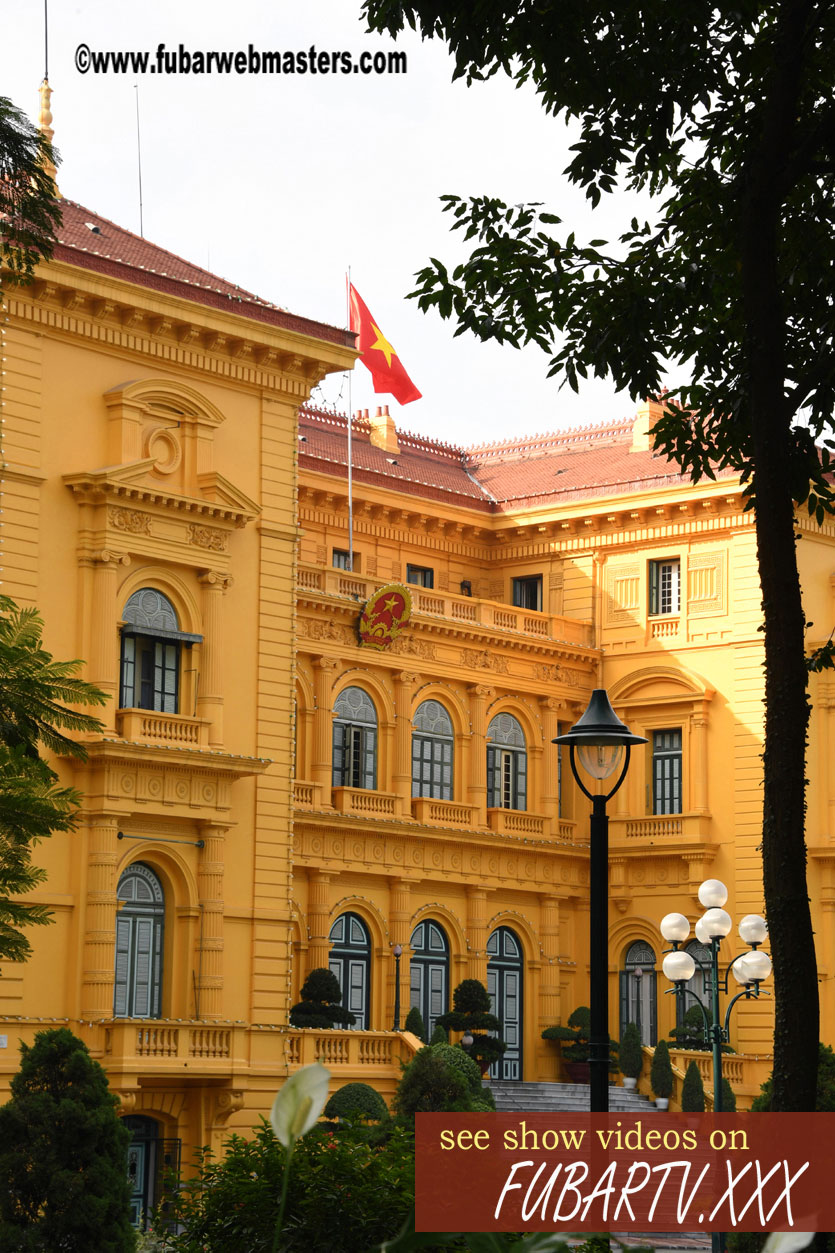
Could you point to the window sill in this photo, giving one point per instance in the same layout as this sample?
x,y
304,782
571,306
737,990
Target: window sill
x,y
664,626
145,726
356,800
444,813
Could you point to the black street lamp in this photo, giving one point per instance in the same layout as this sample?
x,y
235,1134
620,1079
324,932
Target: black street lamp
x,y
599,738
397,954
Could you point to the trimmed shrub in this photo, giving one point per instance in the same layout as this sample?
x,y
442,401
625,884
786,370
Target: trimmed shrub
x,y
414,1023
439,1036
693,1091
321,1003
428,1085
574,1038
471,1012
728,1097
631,1053
453,1055
356,1100
63,1153
661,1074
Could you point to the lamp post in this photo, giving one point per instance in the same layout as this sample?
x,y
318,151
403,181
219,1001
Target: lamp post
x,y
599,739
398,950
748,969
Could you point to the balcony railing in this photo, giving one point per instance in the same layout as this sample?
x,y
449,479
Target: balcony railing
x,y
486,613
198,1046
144,726
516,822
356,800
666,827
745,1072
307,795
445,813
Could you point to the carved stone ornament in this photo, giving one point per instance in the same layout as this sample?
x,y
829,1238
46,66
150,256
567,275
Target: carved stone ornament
x,y
408,646
134,521
315,629
483,659
560,674
210,537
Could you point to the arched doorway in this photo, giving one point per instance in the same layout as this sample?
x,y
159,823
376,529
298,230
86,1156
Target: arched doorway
x,y
637,992
350,961
505,974
153,1164
429,968
139,934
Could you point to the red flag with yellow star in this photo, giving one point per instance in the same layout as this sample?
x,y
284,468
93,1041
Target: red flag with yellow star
x,y
387,372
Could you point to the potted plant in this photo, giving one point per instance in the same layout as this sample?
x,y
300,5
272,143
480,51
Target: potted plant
x,y
631,1056
471,1013
574,1040
661,1075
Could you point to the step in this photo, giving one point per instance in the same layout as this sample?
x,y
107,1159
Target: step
x,y
540,1097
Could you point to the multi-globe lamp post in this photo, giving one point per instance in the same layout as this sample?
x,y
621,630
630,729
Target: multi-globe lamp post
x,y
749,969
603,744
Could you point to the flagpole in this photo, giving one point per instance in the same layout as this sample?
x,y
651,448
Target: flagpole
x,y
350,423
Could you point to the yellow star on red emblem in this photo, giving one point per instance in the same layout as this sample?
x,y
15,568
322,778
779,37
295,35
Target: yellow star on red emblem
x,y
382,344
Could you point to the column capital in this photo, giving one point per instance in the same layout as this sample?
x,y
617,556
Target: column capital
x,y
215,579
325,663
108,557
404,678
481,691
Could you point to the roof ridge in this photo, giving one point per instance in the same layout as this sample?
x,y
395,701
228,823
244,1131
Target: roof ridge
x,y
583,433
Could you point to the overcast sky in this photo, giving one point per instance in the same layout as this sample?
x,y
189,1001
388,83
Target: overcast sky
x,y
280,182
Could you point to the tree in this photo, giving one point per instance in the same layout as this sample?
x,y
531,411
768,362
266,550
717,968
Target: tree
x,y
726,112
63,1154
693,1091
414,1023
35,692
661,1071
29,211
471,1012
631,1052
321,1003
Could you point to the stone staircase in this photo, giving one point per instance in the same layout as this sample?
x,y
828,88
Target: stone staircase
x,y
551,1098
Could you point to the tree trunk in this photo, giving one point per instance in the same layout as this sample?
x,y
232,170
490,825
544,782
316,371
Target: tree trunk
x,y
796,1028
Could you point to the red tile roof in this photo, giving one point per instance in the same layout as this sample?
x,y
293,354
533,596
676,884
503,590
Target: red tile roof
x,y
114,251
509,475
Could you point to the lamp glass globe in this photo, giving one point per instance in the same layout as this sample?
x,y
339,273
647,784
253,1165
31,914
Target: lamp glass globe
x,y
739,970
678,966
675,928
753,929
702,933
600,760
713,894
717,922
758,965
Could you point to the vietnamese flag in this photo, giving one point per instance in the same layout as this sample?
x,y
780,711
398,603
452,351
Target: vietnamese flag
x,y
387,372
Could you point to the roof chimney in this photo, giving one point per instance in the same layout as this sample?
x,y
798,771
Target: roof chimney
x,y
646,417
383,431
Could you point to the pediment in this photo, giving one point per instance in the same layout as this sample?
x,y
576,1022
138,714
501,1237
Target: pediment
x,y
659,685
136,484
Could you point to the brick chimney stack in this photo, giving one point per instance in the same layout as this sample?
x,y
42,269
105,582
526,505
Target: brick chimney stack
x,y
646,416
383,431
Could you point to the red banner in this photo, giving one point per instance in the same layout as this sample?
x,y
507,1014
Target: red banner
x,y
625,1172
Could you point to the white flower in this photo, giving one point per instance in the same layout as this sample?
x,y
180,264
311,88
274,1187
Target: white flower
x,y
788,1241
300,1102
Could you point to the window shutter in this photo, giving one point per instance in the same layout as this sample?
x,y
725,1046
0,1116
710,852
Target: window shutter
x,y
120,988
623,980
338,773
494,782
368,740
653,587
650,975
521,780
128,698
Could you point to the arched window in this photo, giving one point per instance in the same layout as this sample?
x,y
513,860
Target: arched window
x,y
139,933
151,642
432,752
354,740
429,969
637,992
507,764
350,961
505,971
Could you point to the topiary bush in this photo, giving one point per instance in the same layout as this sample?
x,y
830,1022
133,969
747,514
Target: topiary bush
x,y
661,1074
728,1097
429,1085
356,1100
439,1036
693,1091
454,1056
631,1053
414,1023
471,1012
574,1037
321,1003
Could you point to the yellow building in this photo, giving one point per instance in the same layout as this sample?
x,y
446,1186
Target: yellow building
x,y
183,532
148,492
431,808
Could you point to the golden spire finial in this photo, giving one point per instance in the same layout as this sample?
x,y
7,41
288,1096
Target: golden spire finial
x,y
45,127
